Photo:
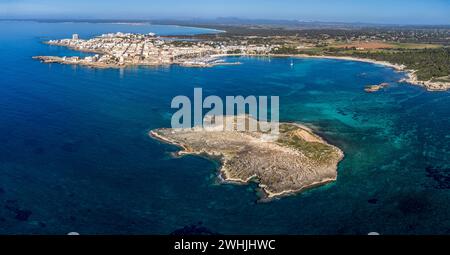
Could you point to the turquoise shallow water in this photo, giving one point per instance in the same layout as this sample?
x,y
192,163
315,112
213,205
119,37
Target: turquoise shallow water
x,y
75,154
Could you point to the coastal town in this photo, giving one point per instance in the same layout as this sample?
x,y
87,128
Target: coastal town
x,y
126,49
425,64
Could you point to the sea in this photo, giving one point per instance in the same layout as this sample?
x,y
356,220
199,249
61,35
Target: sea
x,y
75,155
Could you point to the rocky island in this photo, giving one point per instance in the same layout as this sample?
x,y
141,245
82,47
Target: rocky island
x,y
294,160
375,88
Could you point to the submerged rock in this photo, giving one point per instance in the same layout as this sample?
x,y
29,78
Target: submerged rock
x,y
23,215
194,229
20,214
372,201
440,175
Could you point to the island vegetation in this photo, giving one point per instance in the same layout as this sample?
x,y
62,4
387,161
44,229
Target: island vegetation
x,y
292,161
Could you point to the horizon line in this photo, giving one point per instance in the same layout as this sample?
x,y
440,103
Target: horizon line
x,y
193,19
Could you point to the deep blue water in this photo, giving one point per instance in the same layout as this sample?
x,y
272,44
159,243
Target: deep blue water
x,y
75,155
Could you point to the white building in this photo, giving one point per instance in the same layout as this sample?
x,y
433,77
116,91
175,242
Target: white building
x,y
75,37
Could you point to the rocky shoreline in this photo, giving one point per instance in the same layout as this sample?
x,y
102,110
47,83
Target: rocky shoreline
x,y
102,65
411,77
295,161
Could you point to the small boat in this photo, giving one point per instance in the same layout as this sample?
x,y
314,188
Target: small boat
x,y
292,63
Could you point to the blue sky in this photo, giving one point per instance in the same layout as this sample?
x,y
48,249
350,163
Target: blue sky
x,y
372,11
